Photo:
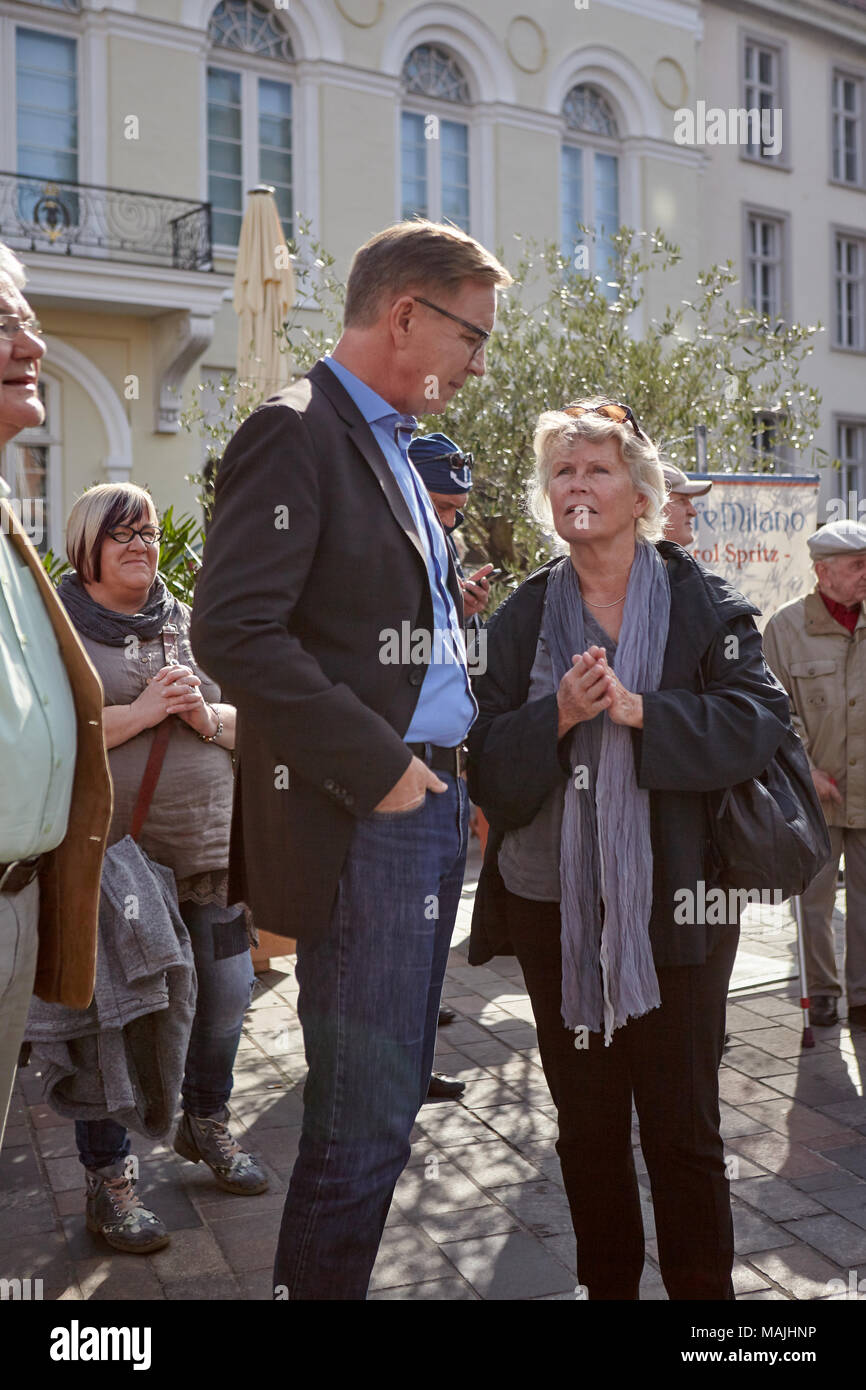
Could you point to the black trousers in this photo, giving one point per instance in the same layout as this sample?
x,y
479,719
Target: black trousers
x,y
669,1062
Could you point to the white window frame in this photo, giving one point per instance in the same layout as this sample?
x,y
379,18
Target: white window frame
x,y
852,475
779,48
591,145
51,439
459,113
58,24
837,115
783,222
250,67
858,236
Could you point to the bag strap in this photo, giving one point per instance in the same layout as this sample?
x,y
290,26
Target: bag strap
x,y
156,757
152,770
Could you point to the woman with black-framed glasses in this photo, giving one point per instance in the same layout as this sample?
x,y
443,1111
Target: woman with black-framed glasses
x,y
137,636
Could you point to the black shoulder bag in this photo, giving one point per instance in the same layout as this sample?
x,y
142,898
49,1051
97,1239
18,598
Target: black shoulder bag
x,y
770,833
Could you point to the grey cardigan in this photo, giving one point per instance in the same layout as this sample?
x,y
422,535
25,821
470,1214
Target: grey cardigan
x,y
122,1058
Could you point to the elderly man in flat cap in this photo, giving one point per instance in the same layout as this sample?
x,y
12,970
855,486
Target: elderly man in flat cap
x,y
680,511
817,647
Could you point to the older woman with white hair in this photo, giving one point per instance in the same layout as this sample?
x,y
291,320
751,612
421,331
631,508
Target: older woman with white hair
x,y
624,681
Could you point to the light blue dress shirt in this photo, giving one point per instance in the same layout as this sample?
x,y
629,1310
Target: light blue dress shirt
x,y
446,707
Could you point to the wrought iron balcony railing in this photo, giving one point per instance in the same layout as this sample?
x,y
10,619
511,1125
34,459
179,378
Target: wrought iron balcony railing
x,y
81,219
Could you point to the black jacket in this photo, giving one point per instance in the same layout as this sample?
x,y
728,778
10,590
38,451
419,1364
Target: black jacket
x,y
698,735
312,552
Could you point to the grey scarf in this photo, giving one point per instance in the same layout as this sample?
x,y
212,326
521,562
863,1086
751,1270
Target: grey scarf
x,y
606,864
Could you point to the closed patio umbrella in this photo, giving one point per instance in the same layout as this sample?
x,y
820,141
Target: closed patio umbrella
x,y
264,291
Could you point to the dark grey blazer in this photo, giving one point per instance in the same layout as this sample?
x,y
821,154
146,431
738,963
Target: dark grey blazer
x,y
312,552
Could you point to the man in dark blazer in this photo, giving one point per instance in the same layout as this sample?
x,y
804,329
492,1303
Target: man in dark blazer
x,y
329,610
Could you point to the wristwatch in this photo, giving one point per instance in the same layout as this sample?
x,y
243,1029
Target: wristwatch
x,y
212,738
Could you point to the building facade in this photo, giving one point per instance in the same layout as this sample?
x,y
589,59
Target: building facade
x,y
133,130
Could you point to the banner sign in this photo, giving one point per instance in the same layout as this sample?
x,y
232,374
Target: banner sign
x,y
753,528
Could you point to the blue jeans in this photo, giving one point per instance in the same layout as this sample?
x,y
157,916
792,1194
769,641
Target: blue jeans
x,y
225,976
368,1003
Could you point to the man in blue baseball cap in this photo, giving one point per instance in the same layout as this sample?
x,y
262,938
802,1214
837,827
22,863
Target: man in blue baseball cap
x,y
446,471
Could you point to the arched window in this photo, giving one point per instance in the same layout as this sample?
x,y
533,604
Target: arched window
x,y
590,180
435,158
249,114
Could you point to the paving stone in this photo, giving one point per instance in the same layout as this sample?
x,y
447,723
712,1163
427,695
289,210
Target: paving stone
x,y
745,1279
778,1041
834,1178
42,1255
739,1167
448,1125
849,1202
20,1172
564,1247
25,1214
762,1296
206,1288
777,1199
754,1232
853,1159
754,1062
737,1089
257,1284
836,1237
70,1203
781,1155
836,1139
249,1242
190,1253
407,1255
798,1269
788,1117
541,1206
813,1090
440,1188
487,1053
444,1290
512,1266
56,1142
490,1220
494,1164
734,1122
16,1135
518,1125
64,1173
740,1020
848,1111
767,1006
276,1110
215,1205
118,1276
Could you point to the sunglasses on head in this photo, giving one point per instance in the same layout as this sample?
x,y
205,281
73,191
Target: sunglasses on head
x,y
611,410
456,462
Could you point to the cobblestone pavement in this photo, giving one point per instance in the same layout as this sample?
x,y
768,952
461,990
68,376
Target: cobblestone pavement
x,y
480,1213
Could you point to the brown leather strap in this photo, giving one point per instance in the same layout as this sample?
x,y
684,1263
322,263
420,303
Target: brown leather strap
x,y
151,776
153,767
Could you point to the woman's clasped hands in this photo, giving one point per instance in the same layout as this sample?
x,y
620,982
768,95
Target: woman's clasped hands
x,y
591,687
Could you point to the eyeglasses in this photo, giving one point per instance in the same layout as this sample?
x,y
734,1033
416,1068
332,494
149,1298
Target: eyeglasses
x,y
481,333
612,410
456,461
124,534
11,325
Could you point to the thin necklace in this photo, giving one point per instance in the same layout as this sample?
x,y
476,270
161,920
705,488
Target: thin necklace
x,y
604,605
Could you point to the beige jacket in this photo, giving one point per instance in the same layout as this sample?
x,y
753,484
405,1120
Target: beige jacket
x,y
69,881
823,668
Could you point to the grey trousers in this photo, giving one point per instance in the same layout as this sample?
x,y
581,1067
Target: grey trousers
x,y
19,942
822,975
